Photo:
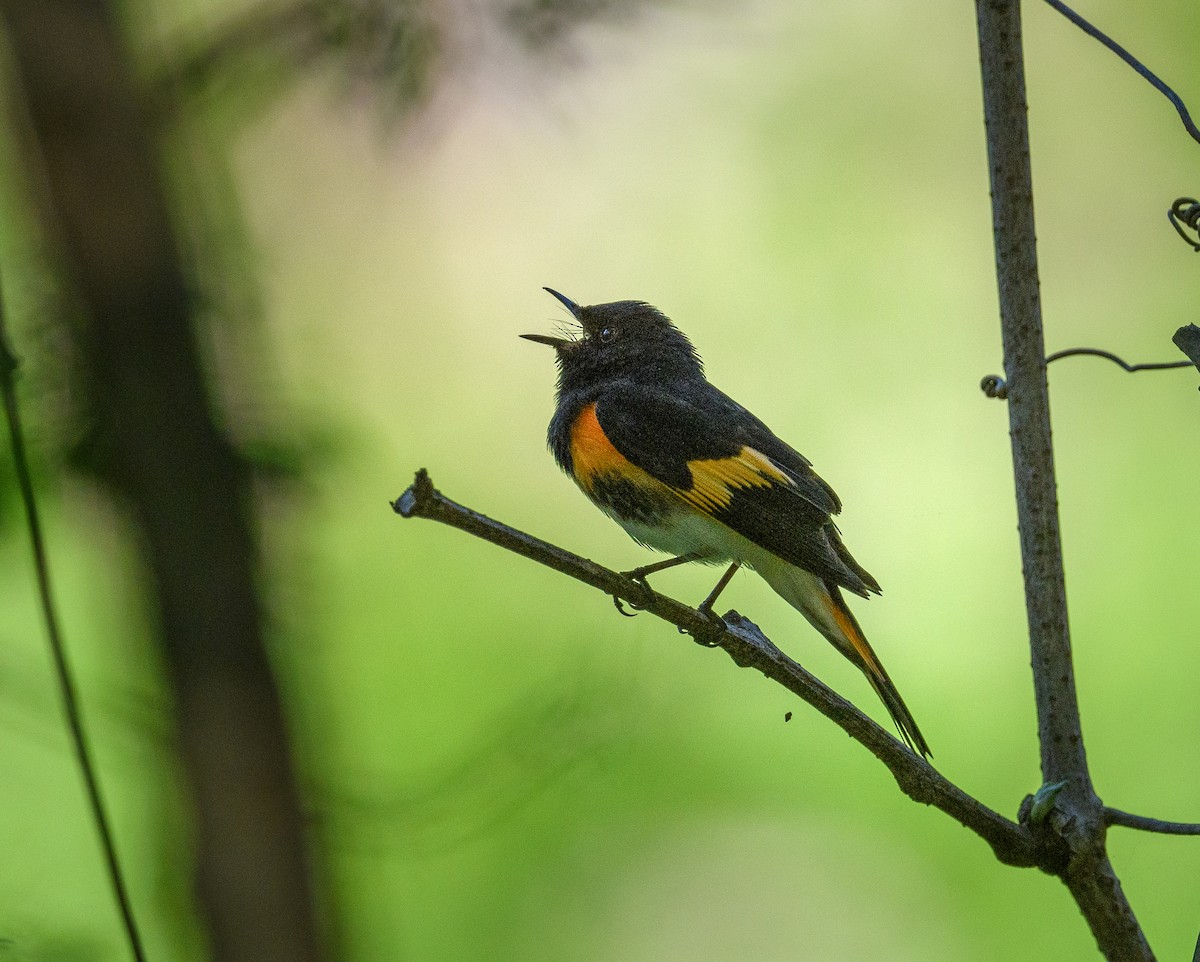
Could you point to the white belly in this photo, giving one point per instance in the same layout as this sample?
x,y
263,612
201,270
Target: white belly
x,y
689,532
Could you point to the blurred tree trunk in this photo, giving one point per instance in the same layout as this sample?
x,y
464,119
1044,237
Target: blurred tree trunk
x,y
180,477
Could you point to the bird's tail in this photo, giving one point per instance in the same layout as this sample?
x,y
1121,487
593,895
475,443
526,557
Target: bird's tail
x,y
821,603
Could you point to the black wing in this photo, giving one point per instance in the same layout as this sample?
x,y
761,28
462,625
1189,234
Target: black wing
x,y
724,461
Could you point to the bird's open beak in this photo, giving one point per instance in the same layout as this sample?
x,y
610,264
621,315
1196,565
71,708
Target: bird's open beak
x,y
566,302
556,342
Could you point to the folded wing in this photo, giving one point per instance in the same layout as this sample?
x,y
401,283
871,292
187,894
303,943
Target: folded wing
x,y
720,459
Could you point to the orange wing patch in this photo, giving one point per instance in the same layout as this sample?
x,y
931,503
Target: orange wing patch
x,y
715,480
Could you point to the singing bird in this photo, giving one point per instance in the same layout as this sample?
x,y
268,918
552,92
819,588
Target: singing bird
x,y
685,469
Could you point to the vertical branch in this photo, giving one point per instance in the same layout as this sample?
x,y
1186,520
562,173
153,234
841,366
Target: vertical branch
x,y
1079,819
181,478
1063,755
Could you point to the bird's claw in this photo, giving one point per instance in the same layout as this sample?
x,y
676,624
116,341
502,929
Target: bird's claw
x,y
638,577
717,622
621,608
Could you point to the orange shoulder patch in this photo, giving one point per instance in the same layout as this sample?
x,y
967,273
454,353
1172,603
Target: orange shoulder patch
x,y
592,453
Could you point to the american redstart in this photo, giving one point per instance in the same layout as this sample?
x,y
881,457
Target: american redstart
x,y
687,470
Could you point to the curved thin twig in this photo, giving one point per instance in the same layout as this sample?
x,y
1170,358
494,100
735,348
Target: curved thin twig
x,y
1109,356
1114,816
742,640
1185,212
995,386
1133,61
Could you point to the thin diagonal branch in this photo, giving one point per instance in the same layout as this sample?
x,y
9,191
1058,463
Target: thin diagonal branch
x,y
749,648
1114,816
1141,68
58,650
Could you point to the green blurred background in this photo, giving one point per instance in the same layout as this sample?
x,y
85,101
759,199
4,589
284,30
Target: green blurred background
x,y
497,765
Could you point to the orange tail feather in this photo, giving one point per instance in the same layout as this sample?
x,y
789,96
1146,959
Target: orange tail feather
x,y
821,603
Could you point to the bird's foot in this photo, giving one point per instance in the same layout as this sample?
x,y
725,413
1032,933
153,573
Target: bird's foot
x,y
620,606
638,577
705,610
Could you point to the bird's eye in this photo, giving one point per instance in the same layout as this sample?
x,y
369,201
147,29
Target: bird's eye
x,y
607,334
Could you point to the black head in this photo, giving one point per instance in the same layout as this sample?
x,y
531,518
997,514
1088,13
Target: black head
x,y
628,340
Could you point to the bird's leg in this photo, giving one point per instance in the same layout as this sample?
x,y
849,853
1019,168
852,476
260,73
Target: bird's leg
x,y
707,604
640,574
